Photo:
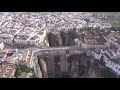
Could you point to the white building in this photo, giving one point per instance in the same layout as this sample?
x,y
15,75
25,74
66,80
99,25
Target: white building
x,y
97,55
114,65
2,46
88,42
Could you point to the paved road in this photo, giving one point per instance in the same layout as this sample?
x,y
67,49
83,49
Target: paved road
x,y
36,49
61,48
9,47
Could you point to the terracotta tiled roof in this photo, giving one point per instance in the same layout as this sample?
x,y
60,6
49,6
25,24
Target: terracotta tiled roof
x,y
6,70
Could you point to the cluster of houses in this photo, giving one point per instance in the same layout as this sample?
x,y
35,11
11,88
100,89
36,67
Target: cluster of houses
x,y
10,60
32,21
7,70
111,56
21,39
102,48
26,27
92,41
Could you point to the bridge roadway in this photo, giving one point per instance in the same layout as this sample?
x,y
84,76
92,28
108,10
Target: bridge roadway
x,y
61,48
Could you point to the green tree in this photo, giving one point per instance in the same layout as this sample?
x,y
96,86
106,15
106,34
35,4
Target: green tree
x,y
34,75
18,72
23,75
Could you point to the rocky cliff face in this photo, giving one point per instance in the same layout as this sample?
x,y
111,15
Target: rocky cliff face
x,y
43,67
37,67
44,43
54,39
79,66
83,66
62,38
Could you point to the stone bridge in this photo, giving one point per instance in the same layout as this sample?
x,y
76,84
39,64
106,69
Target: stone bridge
x,y
62,65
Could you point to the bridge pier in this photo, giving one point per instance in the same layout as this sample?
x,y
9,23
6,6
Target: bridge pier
x,y
63,62
50,67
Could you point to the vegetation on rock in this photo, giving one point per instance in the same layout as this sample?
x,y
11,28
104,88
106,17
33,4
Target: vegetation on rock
x,y
23,71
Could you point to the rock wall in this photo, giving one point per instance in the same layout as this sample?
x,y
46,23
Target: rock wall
x,y
78,66
62,38
43,67
83,66
53,39
37,67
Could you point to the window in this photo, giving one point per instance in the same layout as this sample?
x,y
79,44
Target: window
x,y
8,70
29,55
10,66
5,75
2,65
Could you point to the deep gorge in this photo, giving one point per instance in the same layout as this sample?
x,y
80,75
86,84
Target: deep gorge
x,y
79,66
